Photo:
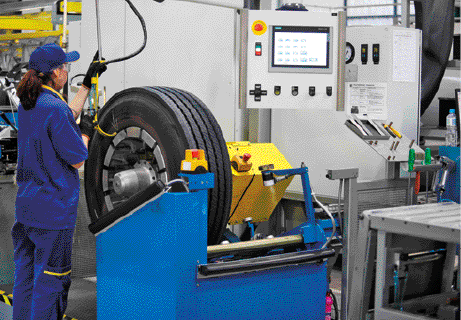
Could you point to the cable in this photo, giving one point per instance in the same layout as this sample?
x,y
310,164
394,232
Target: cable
x,y
331,217
143,24
77,75
335,304
170,183
236,206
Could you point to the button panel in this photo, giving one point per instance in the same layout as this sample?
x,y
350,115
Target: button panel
x,y
257,92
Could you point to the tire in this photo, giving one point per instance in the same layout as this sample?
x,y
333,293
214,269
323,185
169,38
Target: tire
x,y
176,121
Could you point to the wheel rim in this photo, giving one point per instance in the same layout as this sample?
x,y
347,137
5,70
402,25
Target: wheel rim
x,y
162,122
131,148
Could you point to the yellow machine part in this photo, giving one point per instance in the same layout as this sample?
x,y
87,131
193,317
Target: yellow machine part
x,y
259,201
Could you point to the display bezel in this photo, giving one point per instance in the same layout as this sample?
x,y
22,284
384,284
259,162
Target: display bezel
x,y
273,67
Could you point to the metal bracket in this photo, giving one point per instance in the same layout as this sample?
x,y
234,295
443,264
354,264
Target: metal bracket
x,y
336,174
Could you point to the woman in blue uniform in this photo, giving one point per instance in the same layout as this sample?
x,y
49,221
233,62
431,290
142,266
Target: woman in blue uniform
x,y
51,147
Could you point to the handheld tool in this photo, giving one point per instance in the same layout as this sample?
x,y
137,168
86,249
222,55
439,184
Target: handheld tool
x,y
393,130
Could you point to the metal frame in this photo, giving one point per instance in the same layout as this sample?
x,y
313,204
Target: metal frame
x,y
353,258
385,226
350,230
405,14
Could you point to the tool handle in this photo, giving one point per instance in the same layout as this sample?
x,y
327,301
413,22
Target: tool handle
x,y
418,182
263,263
395,132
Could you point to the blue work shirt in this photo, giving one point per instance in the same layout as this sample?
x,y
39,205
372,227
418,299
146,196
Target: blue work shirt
x,y
49,142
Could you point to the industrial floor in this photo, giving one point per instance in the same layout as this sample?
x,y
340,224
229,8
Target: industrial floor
x,y
82,296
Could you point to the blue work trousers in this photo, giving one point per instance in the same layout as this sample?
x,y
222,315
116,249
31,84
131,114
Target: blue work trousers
x,y
42,273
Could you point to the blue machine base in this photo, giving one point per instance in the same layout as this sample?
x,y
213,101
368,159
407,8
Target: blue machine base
x,y
147,269
452,184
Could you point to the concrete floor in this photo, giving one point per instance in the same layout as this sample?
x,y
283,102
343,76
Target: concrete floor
x,y
81,302
82,297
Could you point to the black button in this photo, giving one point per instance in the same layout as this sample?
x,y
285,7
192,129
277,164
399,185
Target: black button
x,y
257,92
294,90
376,53
329,91
312,91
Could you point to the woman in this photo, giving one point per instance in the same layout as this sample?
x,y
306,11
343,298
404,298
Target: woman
x,y
51,147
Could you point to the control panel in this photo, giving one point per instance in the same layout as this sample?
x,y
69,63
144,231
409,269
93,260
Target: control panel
x,y
288,59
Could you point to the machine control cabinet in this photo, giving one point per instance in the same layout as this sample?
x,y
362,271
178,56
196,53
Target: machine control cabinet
x,y
288,59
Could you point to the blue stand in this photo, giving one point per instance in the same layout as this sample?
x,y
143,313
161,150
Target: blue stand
x,y
147,269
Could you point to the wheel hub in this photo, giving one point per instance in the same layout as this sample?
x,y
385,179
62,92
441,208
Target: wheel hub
x,y
132,162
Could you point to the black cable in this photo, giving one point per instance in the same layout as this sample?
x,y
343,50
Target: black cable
x,y
236,206
143,24
335,305
77,75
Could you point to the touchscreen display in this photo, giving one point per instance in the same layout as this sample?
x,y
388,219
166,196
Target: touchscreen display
x,y
300,47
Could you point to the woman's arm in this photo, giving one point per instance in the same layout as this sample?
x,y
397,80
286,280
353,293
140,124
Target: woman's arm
x,y
77,104
85,141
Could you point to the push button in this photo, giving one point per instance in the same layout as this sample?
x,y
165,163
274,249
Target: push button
x,y
364,53
376,53
329,91
312,91
258,49
277,90
294,90
257,92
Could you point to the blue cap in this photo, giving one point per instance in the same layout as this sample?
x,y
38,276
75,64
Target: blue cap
x,y
50,56
452,111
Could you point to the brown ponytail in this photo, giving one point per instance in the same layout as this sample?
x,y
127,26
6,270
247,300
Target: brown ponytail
x,y
30,88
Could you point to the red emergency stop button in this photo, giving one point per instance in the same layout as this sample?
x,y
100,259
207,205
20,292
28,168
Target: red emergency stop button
x,y
246,157
259,27
195,153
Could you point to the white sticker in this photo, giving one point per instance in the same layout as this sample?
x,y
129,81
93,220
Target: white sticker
x,y
404,56
367,100
186,166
